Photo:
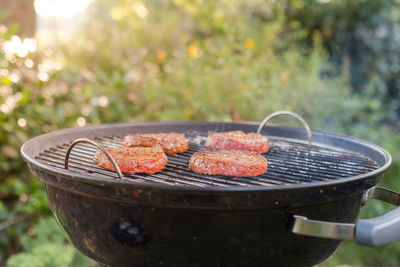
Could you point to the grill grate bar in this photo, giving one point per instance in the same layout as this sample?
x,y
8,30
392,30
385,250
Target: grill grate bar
x,y
276,147
324,168
133,177
305,167
260,180
177,165
307,158
304,174
81,160
346,158
289,163
178,169
85,168
175,170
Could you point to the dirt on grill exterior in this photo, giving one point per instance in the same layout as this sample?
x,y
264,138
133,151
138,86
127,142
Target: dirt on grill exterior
x,y
238,140
133,159
233,163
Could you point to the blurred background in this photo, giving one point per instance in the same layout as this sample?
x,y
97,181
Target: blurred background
x,y
73,63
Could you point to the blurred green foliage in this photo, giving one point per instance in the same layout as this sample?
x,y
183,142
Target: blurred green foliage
x,y
362,37
185,60
45,246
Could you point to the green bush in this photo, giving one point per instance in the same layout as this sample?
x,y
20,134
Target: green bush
x,y
46,246
209,61
362,39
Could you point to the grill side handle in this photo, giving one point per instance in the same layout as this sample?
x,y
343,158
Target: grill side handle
x,y
374,232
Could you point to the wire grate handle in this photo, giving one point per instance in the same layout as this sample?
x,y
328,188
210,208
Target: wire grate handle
x,y
86,140
284,112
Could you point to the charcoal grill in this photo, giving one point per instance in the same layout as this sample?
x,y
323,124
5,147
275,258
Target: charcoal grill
x,y
289,163
305,204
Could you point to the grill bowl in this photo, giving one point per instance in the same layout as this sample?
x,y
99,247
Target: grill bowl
x,y
173,222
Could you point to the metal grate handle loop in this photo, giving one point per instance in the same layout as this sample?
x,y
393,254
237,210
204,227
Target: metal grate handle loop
x,y
284,112
102,149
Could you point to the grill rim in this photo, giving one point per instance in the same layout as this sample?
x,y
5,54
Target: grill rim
x,y
93,180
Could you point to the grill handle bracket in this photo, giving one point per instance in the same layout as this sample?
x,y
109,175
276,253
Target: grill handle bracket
x,y
373,232
284,112
102,149
304,226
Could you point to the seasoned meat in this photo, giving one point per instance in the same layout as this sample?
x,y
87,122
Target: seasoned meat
x,y
234,163
133,159
170,142
238,140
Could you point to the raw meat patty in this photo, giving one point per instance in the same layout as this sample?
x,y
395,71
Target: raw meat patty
x,y
133,159
234,163
238,140
170,142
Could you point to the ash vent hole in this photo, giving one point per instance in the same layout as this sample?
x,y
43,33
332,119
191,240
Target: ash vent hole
x,y
129,232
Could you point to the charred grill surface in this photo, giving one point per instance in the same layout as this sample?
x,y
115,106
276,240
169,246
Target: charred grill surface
x,y
289,162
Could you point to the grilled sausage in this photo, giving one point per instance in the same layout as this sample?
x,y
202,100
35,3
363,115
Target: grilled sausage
x,y
170,142
234,163
133,159
238,140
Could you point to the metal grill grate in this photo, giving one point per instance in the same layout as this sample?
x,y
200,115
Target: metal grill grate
x,y
289,163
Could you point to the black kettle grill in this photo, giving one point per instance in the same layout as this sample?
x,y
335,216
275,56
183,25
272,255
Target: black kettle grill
x,y
296,214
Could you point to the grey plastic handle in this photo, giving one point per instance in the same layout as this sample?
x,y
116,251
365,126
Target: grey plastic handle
x,y
384,229
379,231
374,232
